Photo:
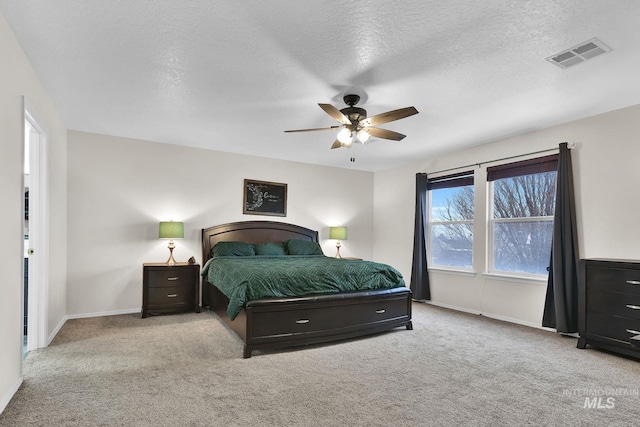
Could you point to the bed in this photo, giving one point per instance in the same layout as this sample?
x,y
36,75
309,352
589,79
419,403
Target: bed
x,y
278,322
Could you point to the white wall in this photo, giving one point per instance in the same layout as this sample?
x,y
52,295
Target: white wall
x,y
605,164
119,189
18,80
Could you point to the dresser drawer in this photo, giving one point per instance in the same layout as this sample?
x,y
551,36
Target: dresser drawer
x,y
177,295
613,303
613,279
618,328
172,277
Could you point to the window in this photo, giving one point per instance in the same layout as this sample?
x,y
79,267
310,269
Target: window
x,y
522,202
450,226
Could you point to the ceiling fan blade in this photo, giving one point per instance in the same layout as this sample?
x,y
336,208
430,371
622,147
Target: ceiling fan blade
x,y
335,113
336,144
313,129
385,134
389,116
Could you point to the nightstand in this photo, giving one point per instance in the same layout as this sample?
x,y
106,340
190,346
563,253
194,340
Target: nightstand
x,y
170,288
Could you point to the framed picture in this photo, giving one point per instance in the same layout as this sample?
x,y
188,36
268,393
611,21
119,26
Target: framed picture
x,y
264,198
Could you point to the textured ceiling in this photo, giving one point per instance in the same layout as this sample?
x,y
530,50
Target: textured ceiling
x,y
233,75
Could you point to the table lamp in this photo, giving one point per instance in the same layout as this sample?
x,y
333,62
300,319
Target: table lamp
x,y
171,230
338,233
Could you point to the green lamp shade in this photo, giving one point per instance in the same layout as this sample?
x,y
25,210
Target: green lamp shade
x,y
171,230
338,233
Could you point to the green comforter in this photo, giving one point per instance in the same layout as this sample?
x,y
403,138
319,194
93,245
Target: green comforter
x,y
244,279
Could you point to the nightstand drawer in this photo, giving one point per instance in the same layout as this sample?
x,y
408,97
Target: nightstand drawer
x,y
171,277
176,295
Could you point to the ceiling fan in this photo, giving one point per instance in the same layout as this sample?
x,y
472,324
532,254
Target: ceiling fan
x,y
355,123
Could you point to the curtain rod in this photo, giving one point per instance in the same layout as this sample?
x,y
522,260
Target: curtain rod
x,y
569,145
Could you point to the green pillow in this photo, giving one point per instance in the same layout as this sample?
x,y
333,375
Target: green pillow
x,y
232,249
303,247
271,248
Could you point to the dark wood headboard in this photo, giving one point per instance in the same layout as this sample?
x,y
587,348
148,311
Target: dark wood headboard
x,y
253,232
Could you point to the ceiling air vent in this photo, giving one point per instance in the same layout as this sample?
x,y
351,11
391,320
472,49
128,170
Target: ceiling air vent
x,y
580,53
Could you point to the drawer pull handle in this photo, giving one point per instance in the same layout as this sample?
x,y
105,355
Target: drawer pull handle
x,y
172,295
633,307
302,321
172,278
633,282
634,332
381,311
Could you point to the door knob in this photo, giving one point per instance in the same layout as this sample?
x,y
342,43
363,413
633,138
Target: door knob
x,y
30,251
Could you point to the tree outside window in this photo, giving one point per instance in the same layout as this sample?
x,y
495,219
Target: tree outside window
x,y
522,223
451,216
522,203
521,208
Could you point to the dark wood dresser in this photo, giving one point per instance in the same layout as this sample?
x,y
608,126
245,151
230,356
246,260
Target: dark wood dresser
x,y
170,288
609,305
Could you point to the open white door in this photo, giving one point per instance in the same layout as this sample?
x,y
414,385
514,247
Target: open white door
x,y
36,246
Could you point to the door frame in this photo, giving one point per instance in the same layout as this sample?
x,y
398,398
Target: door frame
x,y
37,321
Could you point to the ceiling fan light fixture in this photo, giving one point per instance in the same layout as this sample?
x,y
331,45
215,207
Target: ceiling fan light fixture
x,y
363,136
354,123
345,136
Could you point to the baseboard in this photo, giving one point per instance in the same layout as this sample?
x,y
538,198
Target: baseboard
x,y
103,313
491,315
56,330
452,307
517,321
5,400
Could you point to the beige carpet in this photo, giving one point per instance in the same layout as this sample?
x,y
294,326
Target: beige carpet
x,y
452,369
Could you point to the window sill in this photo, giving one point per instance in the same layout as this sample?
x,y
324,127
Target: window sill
x,y
468,273
513,278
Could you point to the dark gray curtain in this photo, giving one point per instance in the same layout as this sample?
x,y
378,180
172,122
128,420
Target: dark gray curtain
x,y
561,304
419,277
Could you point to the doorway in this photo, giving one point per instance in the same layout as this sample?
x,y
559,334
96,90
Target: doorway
x,y
35,222
26,185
